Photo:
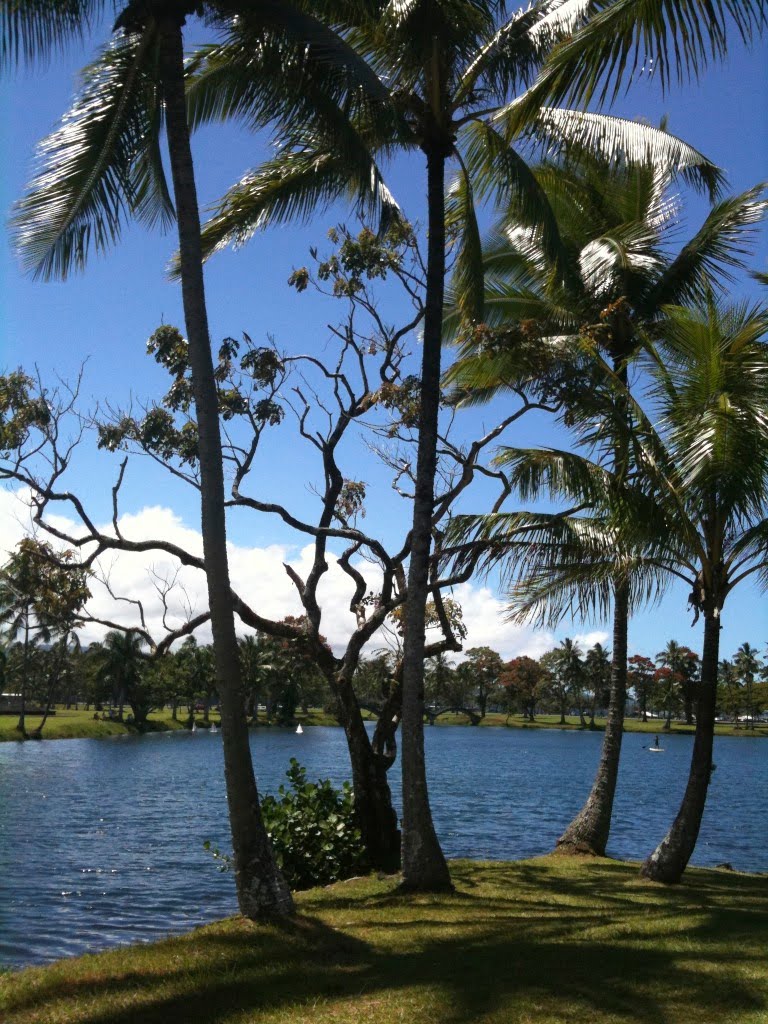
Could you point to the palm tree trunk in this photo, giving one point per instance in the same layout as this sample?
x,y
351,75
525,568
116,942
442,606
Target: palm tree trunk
x,y
261,889
588,832
668,861
21,725
424,866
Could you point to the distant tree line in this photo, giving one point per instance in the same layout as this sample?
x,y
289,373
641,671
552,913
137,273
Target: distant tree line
x,y
119,677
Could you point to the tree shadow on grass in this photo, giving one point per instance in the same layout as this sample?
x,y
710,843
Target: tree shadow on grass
x,y
476,955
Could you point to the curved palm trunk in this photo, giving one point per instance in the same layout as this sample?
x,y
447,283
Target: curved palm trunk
x,y
588,832
261,889
424,866
668,861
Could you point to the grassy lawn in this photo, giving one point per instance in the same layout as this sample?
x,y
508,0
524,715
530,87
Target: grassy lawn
x,y
81,725
554,940
65,725
653,726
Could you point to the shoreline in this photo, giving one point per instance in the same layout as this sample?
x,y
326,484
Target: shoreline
x,y
81,725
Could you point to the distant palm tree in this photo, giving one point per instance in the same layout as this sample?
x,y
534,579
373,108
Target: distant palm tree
x,y
571,665
120,660
728,680
597,670
748,665
683,663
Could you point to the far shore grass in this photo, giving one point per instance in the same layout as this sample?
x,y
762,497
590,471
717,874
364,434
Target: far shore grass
x,y
554,940
79,724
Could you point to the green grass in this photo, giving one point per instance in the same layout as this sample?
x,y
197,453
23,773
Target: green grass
x,y
554,940
66,725
653,726
81,725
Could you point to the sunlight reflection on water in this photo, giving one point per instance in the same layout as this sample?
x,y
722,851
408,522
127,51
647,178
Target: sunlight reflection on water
x,y
101,841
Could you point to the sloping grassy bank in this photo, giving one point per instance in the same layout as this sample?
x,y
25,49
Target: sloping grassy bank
x,y
554,940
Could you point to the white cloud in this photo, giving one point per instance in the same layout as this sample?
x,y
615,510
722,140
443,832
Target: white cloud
x,y
257,573
485,619
587,640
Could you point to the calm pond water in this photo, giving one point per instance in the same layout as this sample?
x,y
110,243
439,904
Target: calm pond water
x,y
101,841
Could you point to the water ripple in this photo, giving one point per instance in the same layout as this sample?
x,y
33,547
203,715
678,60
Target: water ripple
x,y
101,842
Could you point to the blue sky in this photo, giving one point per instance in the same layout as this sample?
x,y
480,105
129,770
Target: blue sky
x,y
105,315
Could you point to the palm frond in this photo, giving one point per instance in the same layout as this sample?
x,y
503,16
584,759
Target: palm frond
x,y
321,42
494,167
295,184
749,551
262,77
461,221
101,166
556,473
712,388
608,263
719,246
515,50
626,39
33,29
617,141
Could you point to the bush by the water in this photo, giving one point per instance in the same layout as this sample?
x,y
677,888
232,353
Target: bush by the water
x,y
313,830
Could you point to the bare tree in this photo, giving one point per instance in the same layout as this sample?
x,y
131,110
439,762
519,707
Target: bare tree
x,y
358,393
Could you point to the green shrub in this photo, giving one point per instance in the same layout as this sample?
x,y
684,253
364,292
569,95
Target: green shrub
x,y
313,831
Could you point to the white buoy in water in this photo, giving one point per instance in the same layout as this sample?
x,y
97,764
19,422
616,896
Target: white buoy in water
x,y
194,727
213,727
299,730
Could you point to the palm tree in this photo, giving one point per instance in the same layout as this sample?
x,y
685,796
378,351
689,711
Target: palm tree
x,y
617,226
448,73
683,664
256,662
568,658
597,670
197,669
695,507
712,481
103,163
120,662
748,666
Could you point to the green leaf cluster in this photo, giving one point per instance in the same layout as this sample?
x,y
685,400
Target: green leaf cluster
x,y
313,830
19,411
